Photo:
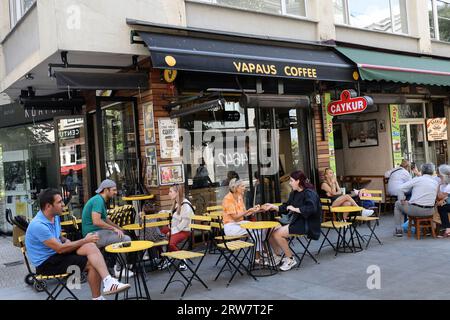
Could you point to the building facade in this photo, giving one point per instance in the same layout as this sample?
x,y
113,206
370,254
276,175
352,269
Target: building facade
x,y
128,94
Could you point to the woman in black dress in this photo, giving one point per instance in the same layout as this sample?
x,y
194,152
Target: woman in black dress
x,y
304,204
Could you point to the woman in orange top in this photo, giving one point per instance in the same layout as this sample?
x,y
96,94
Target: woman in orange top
x,y
234,209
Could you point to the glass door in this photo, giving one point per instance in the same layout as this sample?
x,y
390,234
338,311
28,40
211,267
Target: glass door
x,y
120,146
72,174
413,142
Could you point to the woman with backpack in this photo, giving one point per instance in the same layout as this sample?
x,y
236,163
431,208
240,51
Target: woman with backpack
x,y
182,211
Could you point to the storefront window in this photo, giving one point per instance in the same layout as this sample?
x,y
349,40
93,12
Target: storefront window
x,y
120,146
379,15
27,165
228,150
408,111
285,7
439,16
73,169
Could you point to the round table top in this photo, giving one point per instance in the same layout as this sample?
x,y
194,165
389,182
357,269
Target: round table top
x,y
346,209
138,197
138,245
260,225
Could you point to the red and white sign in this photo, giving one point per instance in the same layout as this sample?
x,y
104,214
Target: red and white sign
x,y
347,104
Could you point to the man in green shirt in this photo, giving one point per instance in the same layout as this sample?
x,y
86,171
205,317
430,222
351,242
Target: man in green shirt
x,y
95,220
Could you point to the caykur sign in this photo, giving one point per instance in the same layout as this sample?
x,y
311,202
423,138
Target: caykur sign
x,y
349,103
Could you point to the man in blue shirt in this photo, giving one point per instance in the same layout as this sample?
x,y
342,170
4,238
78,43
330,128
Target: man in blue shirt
x,y
53,254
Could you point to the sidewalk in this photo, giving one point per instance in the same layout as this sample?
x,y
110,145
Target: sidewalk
x,y
345,277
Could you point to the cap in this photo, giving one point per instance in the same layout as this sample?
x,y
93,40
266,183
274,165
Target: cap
x,y
106,184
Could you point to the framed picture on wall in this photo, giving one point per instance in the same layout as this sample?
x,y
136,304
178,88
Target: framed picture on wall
x,y
171,174
362,134
151,172
149,125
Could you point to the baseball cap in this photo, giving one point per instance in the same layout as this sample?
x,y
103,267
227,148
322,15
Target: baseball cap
x,y
106,184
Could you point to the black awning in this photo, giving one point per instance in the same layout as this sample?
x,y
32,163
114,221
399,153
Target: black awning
x,y
99,81
283,60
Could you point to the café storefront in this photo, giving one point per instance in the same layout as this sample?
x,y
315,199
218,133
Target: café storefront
x,y
408,120
250,108
40,148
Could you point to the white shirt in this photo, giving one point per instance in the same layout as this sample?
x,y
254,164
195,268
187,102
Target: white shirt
x,y
181,222
423,190
397,177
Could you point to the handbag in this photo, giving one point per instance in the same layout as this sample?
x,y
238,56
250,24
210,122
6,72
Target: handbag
x,y
286,218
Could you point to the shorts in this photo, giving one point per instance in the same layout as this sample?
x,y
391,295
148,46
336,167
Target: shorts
x,y
59,263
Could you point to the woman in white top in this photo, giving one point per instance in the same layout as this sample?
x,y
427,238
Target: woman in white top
x,y
443,200
182,211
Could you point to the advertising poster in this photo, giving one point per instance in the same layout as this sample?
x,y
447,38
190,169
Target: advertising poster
x,y
395,131
437,129
149,125
329,130
151,174
171,174
169,138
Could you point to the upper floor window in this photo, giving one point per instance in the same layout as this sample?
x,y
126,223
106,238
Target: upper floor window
x,y
379,15
17,8
284,7
439,16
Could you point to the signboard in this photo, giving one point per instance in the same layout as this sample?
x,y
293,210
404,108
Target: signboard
x,y
395,132
14,114
348,104
437,129
169,139
330,134
232,116
70,134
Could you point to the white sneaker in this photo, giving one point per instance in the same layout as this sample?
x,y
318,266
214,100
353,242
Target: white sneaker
x,y
113,286
146,256
276,260
99,298
118,272
288,263
367,212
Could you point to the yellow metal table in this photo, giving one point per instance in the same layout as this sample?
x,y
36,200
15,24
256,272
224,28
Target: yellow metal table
x,y
260,232
354,212
134,253
137,200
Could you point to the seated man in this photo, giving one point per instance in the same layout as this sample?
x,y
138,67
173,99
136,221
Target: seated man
x,y
94,219
423,196
53,254
398,176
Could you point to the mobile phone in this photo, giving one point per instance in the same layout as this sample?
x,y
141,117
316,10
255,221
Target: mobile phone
x,y
126,244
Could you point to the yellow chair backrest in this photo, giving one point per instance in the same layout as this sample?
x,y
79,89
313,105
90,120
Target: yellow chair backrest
x,y
162,223
326,204
160,215
375,195
214,208
198,223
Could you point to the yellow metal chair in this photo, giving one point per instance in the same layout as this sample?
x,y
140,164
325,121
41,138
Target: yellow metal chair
x,y
39,281
176,258
338,226
375,196
231,249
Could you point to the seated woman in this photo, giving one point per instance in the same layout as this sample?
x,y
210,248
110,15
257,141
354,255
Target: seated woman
x,y
304,204
182,211
442,199
330,189
234,209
